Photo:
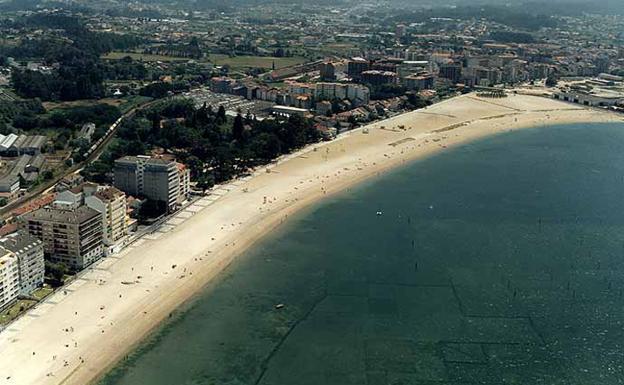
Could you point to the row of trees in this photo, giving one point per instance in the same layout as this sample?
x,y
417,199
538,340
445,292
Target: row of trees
x,y
215,148
516,15
70,118
11,110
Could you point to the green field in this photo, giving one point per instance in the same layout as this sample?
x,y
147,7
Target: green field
x,y
236,62
21,306
125,104
143,57
255,61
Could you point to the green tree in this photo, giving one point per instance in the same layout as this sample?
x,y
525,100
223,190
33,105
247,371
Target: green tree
x,y
221,115
56,272
238,128
551,81
205,181
152,209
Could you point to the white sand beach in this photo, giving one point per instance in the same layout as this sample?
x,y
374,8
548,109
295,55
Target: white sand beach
x,y
74,336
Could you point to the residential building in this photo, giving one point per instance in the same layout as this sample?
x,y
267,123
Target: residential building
x,y
9,278
400,31
356,93
327,71
161,181
323,108
111,203
29,252
70,181
330,91
410,67
221,84
356,66
451,71
184,175
419,82
70,236
378,77
154,178
74,197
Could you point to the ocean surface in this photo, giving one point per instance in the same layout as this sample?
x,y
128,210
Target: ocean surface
x,y
498,262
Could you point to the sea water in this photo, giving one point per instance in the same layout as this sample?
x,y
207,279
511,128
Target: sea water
x,y
497,262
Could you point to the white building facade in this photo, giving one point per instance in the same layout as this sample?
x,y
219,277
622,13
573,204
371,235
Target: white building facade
x,y
30,256
9,278
112,204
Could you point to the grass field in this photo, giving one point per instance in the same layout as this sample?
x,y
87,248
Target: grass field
x,y
129,102
12,312
216,59
144,57
255,61
124,104
49,106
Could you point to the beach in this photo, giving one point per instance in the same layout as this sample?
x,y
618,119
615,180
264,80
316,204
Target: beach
x,y
76,334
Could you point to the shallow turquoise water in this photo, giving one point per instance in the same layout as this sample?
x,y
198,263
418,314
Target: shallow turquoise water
x,y
500,262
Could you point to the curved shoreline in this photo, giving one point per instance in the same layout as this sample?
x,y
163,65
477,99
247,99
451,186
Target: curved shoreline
x,y
113,318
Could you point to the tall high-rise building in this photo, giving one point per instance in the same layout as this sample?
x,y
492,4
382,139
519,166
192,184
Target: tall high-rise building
x,y
400,31
451,71
72,237
184,174
419,82
356,66
376,77
154,178
356,93
9,278
29,252
327,71
111,203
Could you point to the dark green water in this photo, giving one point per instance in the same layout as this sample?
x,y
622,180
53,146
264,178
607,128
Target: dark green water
x,y
501,262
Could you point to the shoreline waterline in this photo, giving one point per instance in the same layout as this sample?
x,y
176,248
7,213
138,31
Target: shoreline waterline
x,y
238,220
347,279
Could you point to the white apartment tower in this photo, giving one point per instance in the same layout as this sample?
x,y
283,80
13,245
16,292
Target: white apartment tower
x,y
9,278
30,257
111,203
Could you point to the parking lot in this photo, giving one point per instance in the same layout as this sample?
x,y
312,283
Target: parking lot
x,y
232,103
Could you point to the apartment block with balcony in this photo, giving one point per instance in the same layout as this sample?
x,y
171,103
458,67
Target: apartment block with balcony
x,y
30,256
9,278
112,204
154,178
184,174
72,237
